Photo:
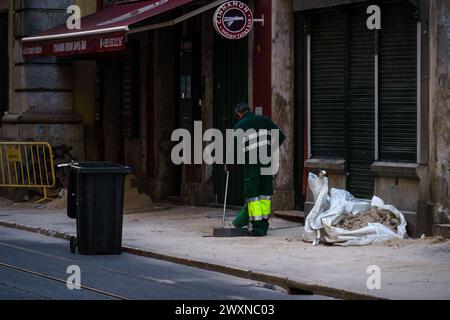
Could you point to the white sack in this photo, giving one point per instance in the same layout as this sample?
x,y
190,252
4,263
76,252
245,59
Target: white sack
x,y
328,210
319,188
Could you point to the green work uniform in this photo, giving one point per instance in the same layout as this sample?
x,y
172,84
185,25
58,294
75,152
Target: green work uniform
x,y
258,187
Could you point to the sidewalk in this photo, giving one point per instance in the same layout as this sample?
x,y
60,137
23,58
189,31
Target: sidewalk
x,y
410,269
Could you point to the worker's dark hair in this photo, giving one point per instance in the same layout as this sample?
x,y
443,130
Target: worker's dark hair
x,y
241,107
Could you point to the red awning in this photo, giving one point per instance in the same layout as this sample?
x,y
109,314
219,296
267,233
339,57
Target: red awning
x,y
103,31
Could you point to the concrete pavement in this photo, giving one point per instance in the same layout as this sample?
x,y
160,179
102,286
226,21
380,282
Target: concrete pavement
x,y
410,269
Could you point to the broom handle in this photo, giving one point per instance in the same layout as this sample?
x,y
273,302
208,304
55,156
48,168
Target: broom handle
x,y
225,200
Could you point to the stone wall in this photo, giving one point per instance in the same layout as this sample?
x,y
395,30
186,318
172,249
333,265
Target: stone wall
x,y
440,111
41,97
40,85
283,98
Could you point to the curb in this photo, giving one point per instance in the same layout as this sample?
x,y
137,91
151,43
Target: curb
x,y
290,216
292,286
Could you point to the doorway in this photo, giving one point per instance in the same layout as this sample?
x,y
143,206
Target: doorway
x,y
230,88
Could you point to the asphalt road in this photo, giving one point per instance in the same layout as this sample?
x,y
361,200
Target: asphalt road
x,y
34,267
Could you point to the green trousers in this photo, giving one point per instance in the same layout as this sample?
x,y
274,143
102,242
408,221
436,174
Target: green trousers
x,y
258,206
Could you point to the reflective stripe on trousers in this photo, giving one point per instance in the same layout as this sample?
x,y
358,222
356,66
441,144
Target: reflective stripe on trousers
x,y
259,208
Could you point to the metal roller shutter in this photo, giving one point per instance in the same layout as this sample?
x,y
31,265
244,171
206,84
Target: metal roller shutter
x,y
398,83
328,39
343,89
361,105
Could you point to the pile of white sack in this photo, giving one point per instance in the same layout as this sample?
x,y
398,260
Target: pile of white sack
x,y
328,210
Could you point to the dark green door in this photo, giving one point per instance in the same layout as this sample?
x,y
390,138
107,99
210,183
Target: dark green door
x,y
230,88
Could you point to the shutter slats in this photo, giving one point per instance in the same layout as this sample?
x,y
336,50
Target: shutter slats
x,y
362,106
327,85
398,83
330,92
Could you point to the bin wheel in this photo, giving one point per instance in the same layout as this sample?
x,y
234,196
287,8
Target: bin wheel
x,y
73,244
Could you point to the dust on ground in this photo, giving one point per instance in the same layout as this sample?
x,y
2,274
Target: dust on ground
x,y
134,201
398,243
361,220
58,203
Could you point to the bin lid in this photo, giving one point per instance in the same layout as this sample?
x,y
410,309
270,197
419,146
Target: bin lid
x,y
100,167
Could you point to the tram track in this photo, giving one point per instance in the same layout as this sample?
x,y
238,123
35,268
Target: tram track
x,y
60,281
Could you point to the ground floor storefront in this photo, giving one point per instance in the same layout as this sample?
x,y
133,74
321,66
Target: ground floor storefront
x,y
369,106
368,103
123,105
172,78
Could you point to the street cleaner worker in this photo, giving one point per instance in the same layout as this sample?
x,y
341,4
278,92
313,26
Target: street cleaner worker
x,y
258,183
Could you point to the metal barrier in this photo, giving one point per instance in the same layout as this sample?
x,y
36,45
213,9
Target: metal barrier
x,y
27,165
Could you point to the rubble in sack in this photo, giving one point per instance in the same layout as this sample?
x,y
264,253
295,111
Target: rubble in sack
x,y
343,220
361,220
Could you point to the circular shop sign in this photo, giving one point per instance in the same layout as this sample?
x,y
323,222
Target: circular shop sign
x,y
233,20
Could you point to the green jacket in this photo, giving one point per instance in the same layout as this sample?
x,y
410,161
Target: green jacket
x,y
261,125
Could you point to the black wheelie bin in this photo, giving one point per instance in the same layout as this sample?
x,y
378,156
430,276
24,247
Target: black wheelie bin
x,y
95,199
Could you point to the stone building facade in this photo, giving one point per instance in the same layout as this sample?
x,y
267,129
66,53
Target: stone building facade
x,y
78,101
41,102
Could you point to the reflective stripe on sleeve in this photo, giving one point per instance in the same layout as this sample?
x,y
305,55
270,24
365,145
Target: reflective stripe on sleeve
x,y
256,145
260,133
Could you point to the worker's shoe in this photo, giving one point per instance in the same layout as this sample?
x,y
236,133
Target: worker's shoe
x,y
255,234
259,228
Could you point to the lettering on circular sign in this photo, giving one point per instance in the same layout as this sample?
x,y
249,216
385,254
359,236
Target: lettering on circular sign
x,y
233,20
